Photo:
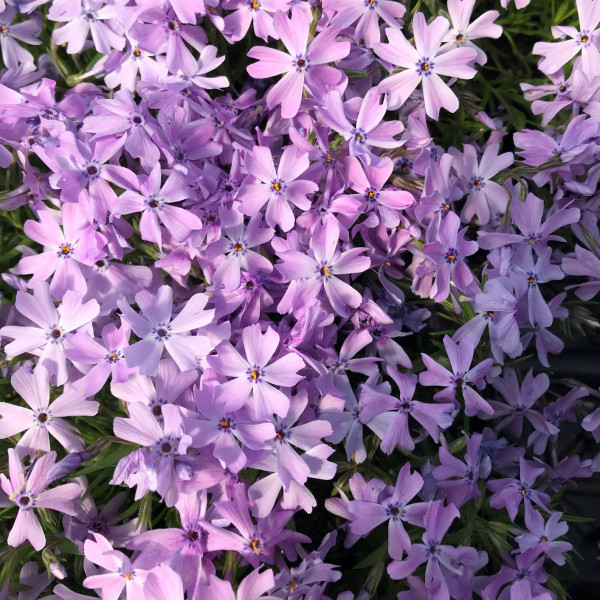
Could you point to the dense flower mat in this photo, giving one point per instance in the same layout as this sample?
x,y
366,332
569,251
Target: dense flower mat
x,y
283,285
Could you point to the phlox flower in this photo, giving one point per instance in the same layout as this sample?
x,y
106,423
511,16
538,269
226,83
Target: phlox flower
x,y
509,493
556,54
448,253
461,356
159,330
543,536
302,65
527,216
369,181
154,201
583,263
458,479
120,116
65,250
256,542
120,573
434,418
162,441
440,558
81,17
26,491
424,65
486,198
366,13
162,582
253,587
369,130
462,32
43,418
258,13
320,269
277,187
393,508
254,374
26,31
54,326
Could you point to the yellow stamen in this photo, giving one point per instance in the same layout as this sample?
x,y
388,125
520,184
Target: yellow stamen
x,y
224,424
255,544
254,374
325,272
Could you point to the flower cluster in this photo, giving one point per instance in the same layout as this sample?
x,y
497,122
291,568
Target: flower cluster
x,y
250,266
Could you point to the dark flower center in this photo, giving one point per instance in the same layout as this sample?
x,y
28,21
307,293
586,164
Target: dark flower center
x,y
100,263
137,120
256,545
173,25
97,527
157,410
249,285
92,170
460,38
42,417
161,332
137,52
325,272
55,333
166,448
24,500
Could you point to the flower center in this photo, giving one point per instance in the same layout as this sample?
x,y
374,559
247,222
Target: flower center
x,y
100,263
137,119
42,417
490,314
55,334
97,527
254,4
460,38
254,374
237,247
192,535
276,186
137,52
173,25
65,249
225,423
24,500
92,170
3,29
256,545
451,255
424,66
325,271
129,576
166,448
360,136
157,410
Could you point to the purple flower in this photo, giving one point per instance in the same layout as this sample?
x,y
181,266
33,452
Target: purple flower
x,y
301,65
253,587
460,357
25,31
542,536
509,493
432,417
459,480
120,573
519,402
369,130
449,253
369,181
277,187
555,55
319,270
108,359
255,375
527,216
155,203
55,325
393,508
159,330
163,442
440,558
462,32
366,13
26,491
487,199
424,65
79,245
83,17
43,418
